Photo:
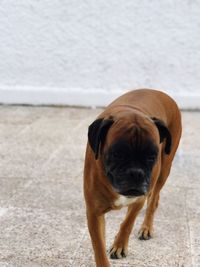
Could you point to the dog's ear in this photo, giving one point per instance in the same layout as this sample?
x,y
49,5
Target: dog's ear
x,y
97,132
164,134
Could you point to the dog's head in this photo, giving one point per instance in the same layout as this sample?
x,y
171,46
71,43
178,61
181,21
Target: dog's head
x,y
129,149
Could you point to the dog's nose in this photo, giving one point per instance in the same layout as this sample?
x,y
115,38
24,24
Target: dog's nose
x,y
137,174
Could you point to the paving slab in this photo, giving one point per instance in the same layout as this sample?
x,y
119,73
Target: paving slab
x,y
194,228
38,236
169,247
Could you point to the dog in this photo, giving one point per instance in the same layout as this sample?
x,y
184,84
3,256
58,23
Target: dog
x,y
130,149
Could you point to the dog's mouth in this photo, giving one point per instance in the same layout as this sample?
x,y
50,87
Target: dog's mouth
x,y
133,193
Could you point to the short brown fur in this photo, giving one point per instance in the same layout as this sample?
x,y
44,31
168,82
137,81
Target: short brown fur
x,y
99,194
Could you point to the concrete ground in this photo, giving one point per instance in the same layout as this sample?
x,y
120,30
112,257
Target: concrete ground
x,y
42,212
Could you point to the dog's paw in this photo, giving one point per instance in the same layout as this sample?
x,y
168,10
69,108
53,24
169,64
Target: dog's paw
x,y
118,252
145,233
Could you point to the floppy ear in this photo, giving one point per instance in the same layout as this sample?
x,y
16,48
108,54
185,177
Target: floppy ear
x,y
164,134
97,132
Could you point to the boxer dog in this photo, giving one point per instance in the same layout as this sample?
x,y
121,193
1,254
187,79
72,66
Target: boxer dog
x,y
131,146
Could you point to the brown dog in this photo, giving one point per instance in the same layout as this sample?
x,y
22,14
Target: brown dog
x,y
128,159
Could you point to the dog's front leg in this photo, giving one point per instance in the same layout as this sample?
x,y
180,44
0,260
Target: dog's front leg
x,y
96,225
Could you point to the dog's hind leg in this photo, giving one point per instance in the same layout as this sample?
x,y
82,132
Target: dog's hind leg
x,y
119,248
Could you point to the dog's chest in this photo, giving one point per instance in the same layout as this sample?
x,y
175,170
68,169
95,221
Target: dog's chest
x,y
123,201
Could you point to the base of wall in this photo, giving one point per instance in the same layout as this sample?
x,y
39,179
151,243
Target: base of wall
x,y
78,97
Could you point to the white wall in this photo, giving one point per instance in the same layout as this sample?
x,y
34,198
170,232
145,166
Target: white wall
x,y
86,52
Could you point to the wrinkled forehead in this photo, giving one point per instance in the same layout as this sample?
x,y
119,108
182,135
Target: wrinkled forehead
x,y
133,134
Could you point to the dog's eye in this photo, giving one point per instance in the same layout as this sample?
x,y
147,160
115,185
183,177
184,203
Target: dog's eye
x,y
118,155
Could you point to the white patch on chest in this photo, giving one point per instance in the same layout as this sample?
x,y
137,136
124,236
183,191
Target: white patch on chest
x,y
123,201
